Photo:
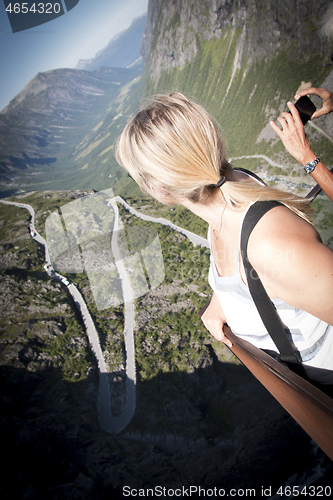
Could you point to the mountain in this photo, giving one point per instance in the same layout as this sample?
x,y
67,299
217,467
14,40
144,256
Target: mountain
x,y
122,51
58,132
242,60
260,30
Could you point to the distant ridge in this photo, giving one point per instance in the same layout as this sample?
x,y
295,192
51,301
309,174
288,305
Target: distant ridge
x,y
122,51
58,132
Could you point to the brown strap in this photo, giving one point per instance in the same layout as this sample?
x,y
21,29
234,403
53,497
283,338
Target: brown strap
x,y
311,408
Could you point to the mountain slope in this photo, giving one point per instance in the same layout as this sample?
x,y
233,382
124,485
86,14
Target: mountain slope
x,y
242,61
122,51
59,131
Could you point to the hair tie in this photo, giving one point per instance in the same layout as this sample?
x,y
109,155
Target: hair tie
x,y
220,182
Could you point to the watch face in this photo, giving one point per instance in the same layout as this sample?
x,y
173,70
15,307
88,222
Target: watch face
x,y
311,165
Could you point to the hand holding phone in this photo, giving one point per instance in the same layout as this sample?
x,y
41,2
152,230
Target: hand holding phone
x,y
292,133
305,107
324,94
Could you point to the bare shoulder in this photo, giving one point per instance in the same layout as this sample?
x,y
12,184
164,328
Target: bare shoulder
x,y
293,263
280,230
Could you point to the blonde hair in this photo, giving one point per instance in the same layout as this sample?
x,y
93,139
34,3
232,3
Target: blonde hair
x,y
173,144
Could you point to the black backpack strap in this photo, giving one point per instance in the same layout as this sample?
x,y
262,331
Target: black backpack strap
x,y
264,305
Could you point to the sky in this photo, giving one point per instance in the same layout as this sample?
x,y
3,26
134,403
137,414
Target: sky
x,y
78,34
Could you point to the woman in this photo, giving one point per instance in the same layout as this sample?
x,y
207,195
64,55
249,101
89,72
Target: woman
x,y
174,151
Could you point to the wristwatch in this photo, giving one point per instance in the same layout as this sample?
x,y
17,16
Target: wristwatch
x,y
311,165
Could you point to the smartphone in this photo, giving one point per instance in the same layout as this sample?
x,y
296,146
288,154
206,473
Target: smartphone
x,y
305,107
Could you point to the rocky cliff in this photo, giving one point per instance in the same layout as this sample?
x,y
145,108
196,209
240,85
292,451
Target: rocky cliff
x,y
242,60
174,29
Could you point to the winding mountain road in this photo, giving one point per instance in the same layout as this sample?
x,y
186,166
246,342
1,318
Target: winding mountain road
x,y
108,422
194,238
271,162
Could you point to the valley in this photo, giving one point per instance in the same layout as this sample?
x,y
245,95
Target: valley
x,y
61,128
197,416
191,391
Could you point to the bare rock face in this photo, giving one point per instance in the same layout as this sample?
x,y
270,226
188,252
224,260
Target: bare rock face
x,y
153,9
174,29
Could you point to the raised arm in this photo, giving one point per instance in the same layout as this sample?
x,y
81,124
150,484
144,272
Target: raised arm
x,y
297,144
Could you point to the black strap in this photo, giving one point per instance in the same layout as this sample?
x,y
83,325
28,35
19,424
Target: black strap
x,y
265,307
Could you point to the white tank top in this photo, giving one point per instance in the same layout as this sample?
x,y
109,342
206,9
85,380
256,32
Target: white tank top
x,y
312,337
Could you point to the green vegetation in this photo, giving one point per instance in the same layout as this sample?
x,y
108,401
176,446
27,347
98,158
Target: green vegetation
x,y
10,219
177,214
52,329
44,204
323,220
70,357
175,21
182,260
240,101
172,341
109,323
38,324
